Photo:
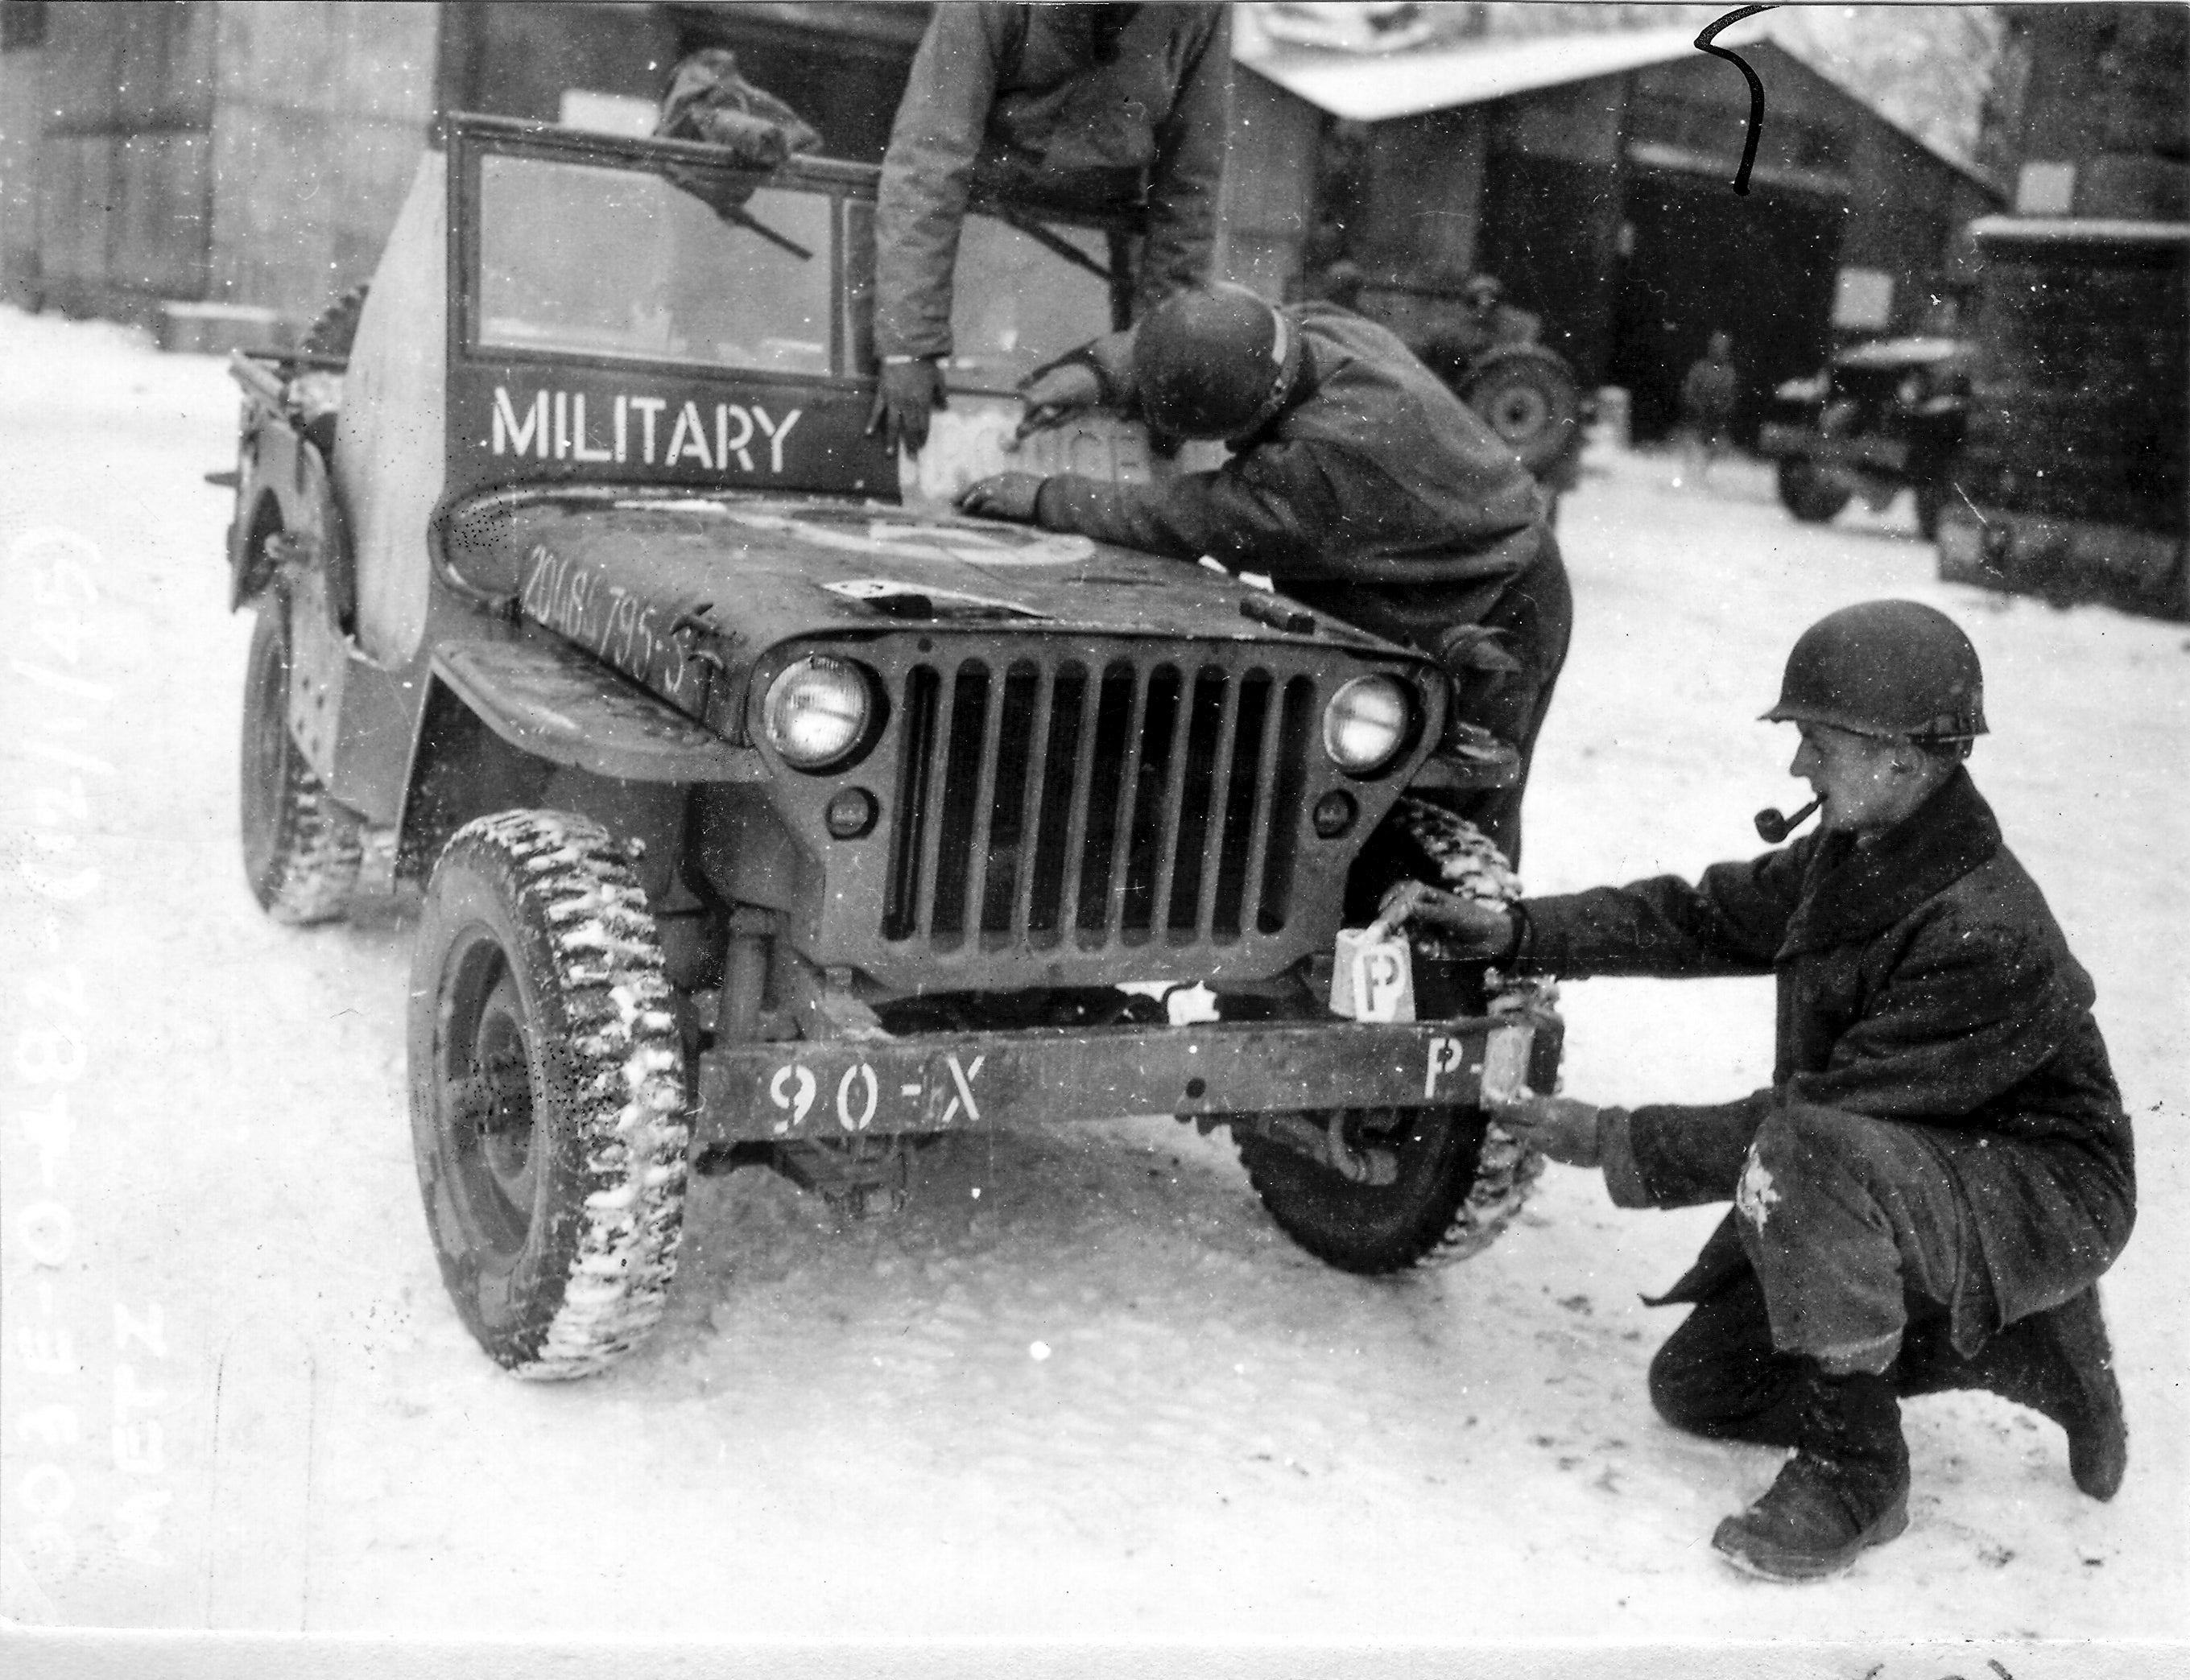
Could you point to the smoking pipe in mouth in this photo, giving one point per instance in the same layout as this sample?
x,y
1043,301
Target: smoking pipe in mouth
x,y
1771,828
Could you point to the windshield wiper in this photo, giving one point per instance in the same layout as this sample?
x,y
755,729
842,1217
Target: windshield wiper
x,y
742,217
1043,236
727,198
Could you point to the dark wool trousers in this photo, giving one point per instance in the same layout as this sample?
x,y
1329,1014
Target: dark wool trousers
x,y
1861,1244
1536,614
1842,1216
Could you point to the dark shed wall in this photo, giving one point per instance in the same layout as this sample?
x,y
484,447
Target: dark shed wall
x,y
1844,213
321,115
124,157
1904,205
1554,192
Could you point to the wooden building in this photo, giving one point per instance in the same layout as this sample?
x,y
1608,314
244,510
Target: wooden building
x,y
2077,470
1593,175
247,156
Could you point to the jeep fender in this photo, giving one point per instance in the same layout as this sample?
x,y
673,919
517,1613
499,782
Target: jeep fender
x,y
287,514
552,703
515,722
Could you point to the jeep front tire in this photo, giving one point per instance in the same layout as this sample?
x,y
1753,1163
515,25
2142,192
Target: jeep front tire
x,y
546,1092
1455,1182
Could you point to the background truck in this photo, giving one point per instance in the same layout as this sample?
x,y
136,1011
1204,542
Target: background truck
x,y
1884,414
763,814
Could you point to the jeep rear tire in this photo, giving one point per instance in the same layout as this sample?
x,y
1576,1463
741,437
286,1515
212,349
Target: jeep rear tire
x,y
301,850
1458,1184
546,1092
1808,495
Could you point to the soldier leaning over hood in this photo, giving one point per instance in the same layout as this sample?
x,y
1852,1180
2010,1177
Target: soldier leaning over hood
x,y
1090,107
1942,1168
1356,482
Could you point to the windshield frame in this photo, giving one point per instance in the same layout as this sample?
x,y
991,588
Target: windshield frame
x,y
547,142
845,184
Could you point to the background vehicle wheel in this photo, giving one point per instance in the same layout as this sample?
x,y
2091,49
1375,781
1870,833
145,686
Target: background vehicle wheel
x,y
546,1092
1527,396
1808,495
1458,1184
300,848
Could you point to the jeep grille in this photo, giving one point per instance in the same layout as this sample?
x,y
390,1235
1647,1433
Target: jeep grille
x,y
1126,800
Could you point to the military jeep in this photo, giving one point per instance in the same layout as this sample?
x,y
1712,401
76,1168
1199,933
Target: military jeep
x,y
760,813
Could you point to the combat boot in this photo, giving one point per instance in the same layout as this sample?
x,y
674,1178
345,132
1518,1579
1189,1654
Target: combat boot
x,y
1846,1487
2060,1364
2057,1363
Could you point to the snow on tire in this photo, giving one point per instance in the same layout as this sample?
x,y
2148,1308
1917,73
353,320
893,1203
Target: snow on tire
x,y
301,850
546,1092
1455,1179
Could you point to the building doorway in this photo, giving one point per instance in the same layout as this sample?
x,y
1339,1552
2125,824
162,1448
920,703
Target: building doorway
x,y
1701,258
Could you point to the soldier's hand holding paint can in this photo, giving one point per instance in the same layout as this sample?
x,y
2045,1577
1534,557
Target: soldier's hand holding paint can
x,y
1485,930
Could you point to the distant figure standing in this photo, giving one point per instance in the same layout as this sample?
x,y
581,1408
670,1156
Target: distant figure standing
x,y
1708,395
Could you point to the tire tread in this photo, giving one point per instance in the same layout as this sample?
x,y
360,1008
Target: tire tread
x,y
568,880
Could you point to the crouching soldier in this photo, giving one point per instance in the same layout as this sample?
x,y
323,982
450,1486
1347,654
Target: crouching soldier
x,y
1356,482
1942,1168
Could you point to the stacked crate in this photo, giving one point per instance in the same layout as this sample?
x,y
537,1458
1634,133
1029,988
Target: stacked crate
x,y
2075,480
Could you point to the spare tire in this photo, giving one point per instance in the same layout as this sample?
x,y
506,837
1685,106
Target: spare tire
x,y
335,330
1529,396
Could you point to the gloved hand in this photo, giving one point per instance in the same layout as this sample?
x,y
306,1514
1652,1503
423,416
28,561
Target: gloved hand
x,y
1056,394
1003,495
909,393
1483,930
1559,1128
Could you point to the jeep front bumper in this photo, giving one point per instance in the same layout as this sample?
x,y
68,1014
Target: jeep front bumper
x,y
842,1088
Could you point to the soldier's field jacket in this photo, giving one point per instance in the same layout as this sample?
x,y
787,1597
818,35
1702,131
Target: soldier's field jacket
x,y
1921,979
1023,100
1376,494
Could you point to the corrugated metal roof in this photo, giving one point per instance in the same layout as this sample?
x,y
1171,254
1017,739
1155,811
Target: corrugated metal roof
x,y
1374,89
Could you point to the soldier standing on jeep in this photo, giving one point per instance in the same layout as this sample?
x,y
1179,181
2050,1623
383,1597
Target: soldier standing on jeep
x,y
1926,1195
1090,107
1356,482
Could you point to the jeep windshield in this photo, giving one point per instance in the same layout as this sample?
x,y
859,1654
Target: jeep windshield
x,y
617,251
600,260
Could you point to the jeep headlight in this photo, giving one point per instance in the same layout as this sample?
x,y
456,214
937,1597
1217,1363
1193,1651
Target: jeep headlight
x,y
1366,724
817,712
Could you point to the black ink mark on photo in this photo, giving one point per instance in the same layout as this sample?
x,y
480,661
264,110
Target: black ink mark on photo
x,y
1755,89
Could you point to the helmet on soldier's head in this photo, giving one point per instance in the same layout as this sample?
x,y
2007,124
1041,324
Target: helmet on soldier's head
x,y
1214,364
1885,668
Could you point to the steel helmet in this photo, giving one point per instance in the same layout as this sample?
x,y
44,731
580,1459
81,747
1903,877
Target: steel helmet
x,y
1888,668
1214,364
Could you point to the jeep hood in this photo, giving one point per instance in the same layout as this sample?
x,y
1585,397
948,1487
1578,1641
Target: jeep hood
x,y
775,567
649,582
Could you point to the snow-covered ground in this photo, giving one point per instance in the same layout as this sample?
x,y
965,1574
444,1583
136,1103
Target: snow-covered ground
x,y
1083,1391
